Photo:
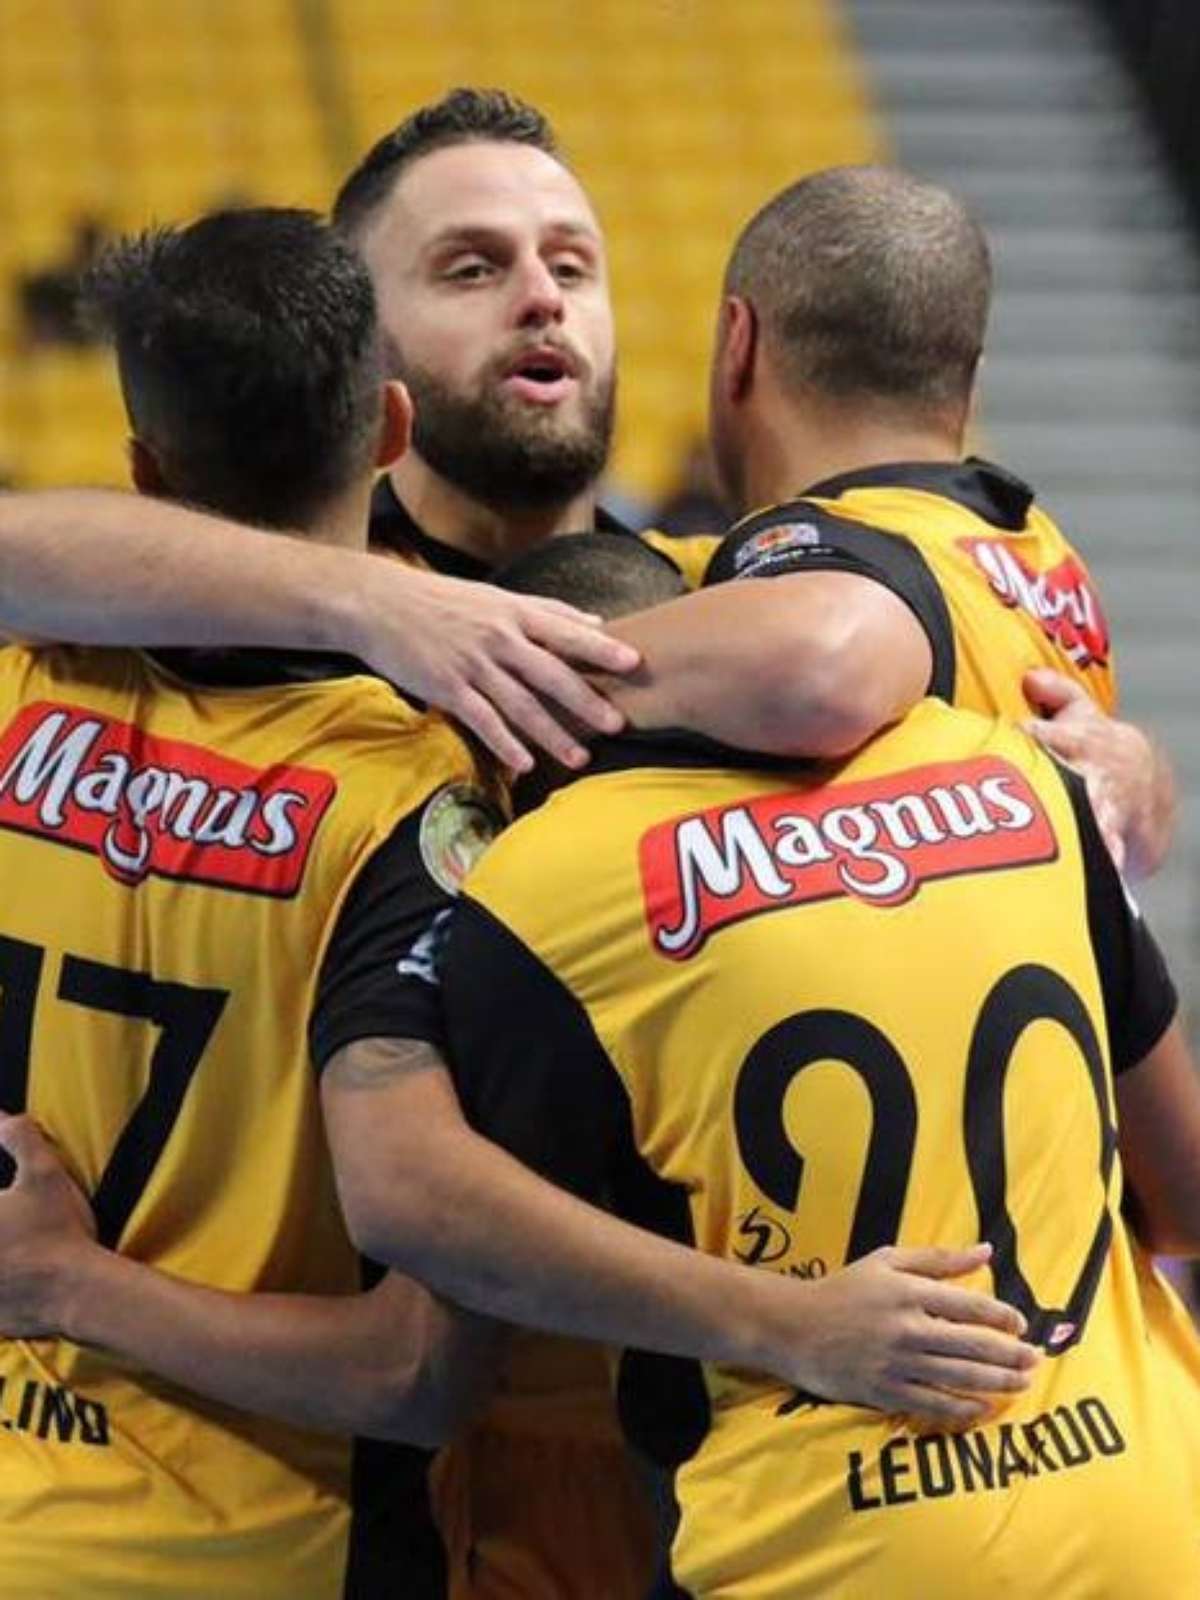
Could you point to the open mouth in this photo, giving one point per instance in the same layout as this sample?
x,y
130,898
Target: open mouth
x,y
543,376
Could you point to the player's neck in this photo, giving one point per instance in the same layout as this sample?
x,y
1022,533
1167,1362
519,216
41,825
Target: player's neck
x,y
445,513
815,448
343,522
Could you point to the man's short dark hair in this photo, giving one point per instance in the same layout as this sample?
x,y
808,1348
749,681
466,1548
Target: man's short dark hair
x,y
249,358
870,284
463,116
612,574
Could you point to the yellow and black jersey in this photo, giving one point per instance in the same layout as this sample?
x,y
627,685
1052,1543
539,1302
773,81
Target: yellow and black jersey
x,y
394,530
194,880
994,583
537,1498
792,1016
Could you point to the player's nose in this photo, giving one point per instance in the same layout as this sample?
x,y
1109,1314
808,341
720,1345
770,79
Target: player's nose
x,y
539,295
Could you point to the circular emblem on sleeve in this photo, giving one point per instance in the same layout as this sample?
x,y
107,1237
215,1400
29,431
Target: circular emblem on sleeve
x,y
457,825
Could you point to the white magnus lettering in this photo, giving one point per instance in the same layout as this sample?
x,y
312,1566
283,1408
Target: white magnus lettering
x,y
720,868
40,764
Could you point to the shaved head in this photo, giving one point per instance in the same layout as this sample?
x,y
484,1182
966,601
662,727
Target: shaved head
x,y
869,284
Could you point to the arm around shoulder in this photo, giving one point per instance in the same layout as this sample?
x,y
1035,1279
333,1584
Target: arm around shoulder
x,y
805,664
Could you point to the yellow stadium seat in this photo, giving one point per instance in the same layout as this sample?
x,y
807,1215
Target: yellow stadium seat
x,y
681,117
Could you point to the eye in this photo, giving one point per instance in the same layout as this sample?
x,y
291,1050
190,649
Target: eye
x,y
468,269
570,269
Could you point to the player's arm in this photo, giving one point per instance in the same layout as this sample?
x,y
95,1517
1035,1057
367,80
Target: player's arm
x,y
92,566
1129,776
390,1363
849,633
393,1362
1156,1088
1158,1123
425,1192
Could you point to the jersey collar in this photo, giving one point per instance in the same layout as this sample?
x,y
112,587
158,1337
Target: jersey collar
x,y
252,667
999,497
676,748
396,530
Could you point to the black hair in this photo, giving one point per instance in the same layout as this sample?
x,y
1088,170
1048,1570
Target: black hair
x,y
462,116
612,574
249,358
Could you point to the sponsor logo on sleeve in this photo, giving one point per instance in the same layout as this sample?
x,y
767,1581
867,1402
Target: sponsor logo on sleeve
x,y
147,806
876,842
774,546
1061,600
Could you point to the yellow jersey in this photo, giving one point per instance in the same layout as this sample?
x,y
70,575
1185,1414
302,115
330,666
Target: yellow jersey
x,y
789,1016
176,862
992,579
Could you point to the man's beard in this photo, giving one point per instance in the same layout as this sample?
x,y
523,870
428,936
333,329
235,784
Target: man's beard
x,y
506,454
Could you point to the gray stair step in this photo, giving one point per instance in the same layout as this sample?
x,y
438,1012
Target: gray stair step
x,y
1083,144
1092,258
1123,525
1046,197
1016,388
1128,456
1158,681
1090,322
982,26
1147,599
1169,905
1013,81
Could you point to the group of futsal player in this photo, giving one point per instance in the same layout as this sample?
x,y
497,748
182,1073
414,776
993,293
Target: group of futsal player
x,y
796,1039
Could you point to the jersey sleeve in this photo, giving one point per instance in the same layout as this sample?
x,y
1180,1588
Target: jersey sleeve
x,y
530,1071
804,537
1140,999
379,975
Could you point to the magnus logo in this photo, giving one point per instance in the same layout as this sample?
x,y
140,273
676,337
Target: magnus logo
x,y
1061,600
147,805
877,841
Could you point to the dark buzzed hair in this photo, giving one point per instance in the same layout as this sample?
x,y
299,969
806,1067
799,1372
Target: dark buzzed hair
x,y
249,357
612,574
463,116
870,284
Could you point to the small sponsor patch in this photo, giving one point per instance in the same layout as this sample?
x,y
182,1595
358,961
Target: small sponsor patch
x,y
773,545
154,807
457,826
877,842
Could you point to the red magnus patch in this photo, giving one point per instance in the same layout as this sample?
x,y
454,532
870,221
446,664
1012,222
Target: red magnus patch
x,y
149,806
877,841
1061,600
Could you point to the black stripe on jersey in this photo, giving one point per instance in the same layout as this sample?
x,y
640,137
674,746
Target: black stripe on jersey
x,y
528,1067
394,529
258,667
395,1548
841,545
1140,999
662,1400
533,1075
998,496
368,987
